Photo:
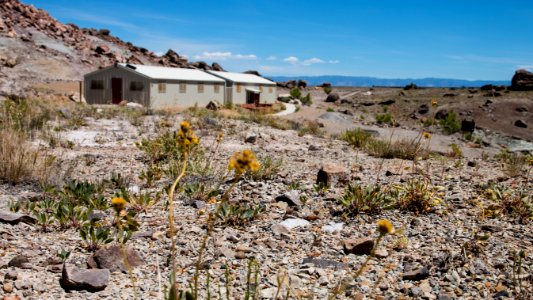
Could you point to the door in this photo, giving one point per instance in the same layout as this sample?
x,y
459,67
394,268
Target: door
x,y
249,97
116,90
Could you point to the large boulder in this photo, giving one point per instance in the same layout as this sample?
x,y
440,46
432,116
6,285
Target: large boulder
x,y
468,125
302,84
522,80
332,97
253,72
217,67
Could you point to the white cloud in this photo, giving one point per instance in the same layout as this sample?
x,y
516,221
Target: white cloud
x,y
334,61
272,57
292,60
311,61
221,56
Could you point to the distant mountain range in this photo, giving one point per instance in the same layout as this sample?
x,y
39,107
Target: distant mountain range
x,y
337,80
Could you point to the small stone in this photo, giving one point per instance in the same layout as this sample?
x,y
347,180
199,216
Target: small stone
x,y
361,246
251,139
290,224
15,218
471,163
381,253
444,297
20,261
240,255
11,274
22,284
520,124
330,174
8,287
333,227
416,275
314,147
292,198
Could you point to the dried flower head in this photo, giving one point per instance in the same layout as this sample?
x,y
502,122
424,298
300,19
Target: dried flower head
x,y
244,161
385,227
118,204
186,136
530,162
434,103
220,137
426,135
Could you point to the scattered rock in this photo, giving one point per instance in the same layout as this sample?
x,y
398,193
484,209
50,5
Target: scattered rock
x,y
441,114
15,218
332,174
251,139
8,287
20,261
112,258
362,246
289,224
213,105
410,86
521,109
333,227
332,97
93,280
387,102
520,123
416,275
292,198
324,263
468,125
423,109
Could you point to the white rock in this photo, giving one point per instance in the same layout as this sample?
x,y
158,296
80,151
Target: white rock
x,y
333,227
290,224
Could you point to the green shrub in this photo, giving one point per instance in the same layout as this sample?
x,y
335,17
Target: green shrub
x,y
357,137
327,90
402,149
330,109
295,93
365,199
270,167
237,214
416,195
450,124
385,118
307,100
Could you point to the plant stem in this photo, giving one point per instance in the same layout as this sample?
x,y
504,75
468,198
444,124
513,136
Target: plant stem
x,y
171,220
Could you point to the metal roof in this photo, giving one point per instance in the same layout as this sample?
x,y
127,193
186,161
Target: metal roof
x,y
166,73
242,77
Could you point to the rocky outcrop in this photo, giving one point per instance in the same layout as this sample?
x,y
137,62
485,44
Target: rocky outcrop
x,y
522,81
76,279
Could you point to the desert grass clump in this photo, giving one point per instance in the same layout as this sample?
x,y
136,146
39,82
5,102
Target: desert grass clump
x,y
513,203
18,159
450,125
513,164
270,168
402,149
357,138
417,195
385,118
365,199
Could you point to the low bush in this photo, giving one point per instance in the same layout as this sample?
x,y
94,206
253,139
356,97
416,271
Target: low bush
x,y
357,137
365,199
450,124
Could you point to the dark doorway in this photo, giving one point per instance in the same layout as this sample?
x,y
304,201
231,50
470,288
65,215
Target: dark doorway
x,y
252,97
116,90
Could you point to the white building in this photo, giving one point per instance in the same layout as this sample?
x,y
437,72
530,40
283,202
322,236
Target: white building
x,y
152,86
244,88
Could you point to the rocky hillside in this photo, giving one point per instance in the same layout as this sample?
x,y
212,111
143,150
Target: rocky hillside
x,y
36,48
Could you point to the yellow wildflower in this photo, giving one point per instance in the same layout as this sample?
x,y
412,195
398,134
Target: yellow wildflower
x,y
244,161
434,103
385,227
118,204
530,162
186,136
426,135
220,137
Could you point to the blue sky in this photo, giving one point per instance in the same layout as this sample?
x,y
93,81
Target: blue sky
x,y
389,39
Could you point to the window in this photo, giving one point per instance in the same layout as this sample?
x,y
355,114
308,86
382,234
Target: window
x,y
270,89
97,84
183,87
217,88
238,88
200,87
162,87
136,86
261,88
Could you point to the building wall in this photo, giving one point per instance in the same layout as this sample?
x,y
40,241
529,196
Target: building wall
x,y
173,97
268,95
104,96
